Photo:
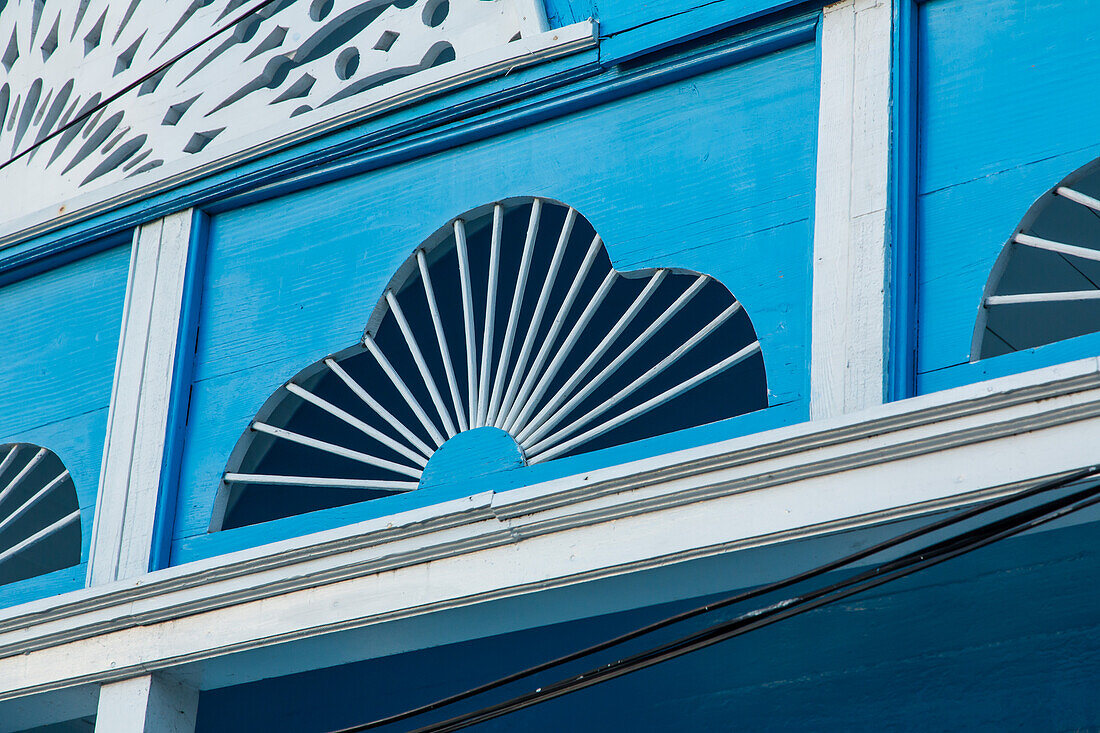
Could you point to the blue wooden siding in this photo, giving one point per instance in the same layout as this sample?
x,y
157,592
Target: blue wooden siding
x,y
1008,106
59,341
713,174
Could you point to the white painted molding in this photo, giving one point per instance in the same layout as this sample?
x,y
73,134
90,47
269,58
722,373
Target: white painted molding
x,y
134,450
147,704
805,481
849,321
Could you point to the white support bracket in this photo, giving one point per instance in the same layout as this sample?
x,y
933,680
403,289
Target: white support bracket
x,y
849,326
134,452
150,704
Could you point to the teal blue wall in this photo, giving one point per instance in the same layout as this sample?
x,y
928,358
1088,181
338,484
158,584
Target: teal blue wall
x,y
1008,106
58,344
713,174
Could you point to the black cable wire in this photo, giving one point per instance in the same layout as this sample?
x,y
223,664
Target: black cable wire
x,y
731,600
81,118
879,575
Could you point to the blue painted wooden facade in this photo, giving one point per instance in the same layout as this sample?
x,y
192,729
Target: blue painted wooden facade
x,y
1002,119
701,159
59,343
737,206
688,139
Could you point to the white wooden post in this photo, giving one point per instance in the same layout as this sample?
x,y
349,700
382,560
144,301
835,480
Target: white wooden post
x,y
849,325
150,704
134,452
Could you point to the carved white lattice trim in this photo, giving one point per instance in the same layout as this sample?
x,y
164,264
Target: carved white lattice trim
x,y
292,60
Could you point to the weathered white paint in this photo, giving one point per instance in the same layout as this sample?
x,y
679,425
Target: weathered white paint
x,y
896,460
147,704
134,451
849,326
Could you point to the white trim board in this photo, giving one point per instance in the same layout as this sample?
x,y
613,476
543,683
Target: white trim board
x,y
891,462
849,323
137,425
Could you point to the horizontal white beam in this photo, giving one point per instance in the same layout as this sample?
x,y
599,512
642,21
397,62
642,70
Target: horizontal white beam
x,y
795,483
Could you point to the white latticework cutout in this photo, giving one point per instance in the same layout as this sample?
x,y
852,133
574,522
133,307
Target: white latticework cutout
x,y
39,514
1045,286
61,58
510,323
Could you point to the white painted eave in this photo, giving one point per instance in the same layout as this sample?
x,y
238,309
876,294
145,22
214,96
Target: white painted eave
x,y
885,463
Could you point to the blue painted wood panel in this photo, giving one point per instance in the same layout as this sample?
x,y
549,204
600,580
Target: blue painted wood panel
x,y
714,174
59,342
1007,107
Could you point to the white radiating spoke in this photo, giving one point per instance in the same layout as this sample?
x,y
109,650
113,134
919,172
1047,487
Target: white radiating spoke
x,y
541,425
467,320
490,317
1079,198
336,450
513,312
648,405
356,423
39,536
441,339
1067,249
34,499
18,479
1017,299
536,319
372,403
575,332
548,343
9,458
601,349
412,402
421,365
321,482
533,448
1054,297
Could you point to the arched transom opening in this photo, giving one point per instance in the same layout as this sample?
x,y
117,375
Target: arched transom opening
x,y
511,317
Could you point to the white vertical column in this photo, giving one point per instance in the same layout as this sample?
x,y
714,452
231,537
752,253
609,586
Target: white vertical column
x,y
850,303
134,452
150,704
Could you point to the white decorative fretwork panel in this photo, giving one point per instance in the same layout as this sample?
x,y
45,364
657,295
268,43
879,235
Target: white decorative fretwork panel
x,y
288,61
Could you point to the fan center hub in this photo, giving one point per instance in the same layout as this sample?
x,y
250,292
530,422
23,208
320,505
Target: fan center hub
x,y
471,454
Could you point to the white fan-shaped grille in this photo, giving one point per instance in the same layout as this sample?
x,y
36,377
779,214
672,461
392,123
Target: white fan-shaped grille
x,y
59,59
1045,286
511,317
39,514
